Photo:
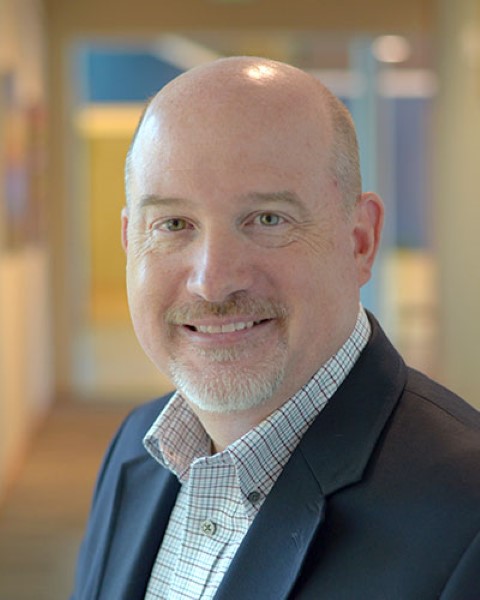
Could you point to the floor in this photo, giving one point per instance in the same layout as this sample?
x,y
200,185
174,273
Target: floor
x,y
42,518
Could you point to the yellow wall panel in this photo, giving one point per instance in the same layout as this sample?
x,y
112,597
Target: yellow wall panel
x,y
106,199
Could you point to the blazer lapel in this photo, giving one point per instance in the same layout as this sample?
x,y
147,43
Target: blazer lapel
x,y
340,442
145,497
332,455
271,555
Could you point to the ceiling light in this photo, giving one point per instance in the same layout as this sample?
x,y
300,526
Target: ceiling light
x,y
391,48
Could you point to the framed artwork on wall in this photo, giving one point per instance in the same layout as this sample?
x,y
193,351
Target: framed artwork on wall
x,y
22,167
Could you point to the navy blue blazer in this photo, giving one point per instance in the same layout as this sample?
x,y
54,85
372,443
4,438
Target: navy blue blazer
x,y
380,501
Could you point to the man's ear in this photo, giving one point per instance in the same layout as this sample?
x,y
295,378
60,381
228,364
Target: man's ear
x,y
124,234
368,224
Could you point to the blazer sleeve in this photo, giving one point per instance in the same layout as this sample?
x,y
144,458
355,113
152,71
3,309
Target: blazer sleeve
x,y
125,446
88,557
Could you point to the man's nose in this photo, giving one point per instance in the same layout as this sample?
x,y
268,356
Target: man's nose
x,y
221,264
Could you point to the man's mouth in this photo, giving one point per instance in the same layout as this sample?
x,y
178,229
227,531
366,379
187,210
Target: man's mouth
x,y
225,328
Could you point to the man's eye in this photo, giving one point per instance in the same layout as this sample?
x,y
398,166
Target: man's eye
x,y
269,219
172,225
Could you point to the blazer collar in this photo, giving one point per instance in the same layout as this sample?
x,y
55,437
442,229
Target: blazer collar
x,y
333,454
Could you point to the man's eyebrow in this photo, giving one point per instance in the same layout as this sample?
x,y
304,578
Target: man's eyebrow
x,y
155,200
284,196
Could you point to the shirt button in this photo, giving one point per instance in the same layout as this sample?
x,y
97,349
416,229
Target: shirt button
x,y
208,528
254,496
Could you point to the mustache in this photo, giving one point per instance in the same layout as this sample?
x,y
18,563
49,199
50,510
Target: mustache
x,y
237,304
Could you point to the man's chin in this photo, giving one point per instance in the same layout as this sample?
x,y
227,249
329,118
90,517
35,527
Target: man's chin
x,y
227,388
227,355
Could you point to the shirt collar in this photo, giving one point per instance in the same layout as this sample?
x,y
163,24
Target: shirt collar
x,y
177,437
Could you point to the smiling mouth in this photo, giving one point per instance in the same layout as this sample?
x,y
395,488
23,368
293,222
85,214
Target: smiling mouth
x,y
227,327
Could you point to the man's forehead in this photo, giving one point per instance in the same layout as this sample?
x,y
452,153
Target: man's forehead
x,y
240,123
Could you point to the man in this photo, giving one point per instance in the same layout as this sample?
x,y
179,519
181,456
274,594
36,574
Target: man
x,y
299,457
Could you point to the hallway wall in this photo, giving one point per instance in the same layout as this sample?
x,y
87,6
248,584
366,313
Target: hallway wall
x,y
25,349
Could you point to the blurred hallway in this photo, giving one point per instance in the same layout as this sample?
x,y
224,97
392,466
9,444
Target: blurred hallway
x,y
42,518
64,326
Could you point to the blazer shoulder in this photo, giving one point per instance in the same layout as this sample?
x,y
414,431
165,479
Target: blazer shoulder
x,y
438,435
439,397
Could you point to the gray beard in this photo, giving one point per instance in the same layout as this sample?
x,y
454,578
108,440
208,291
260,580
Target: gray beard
x,y
223,387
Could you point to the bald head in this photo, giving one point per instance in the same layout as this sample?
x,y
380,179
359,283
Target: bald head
x,y
252,97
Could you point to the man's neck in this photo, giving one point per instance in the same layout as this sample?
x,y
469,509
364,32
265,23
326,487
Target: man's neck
x,y
226,428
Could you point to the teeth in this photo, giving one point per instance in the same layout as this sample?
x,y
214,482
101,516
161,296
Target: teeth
x,y
228,328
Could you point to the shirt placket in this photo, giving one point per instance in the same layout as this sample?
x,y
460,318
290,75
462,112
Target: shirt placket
x,y
210,527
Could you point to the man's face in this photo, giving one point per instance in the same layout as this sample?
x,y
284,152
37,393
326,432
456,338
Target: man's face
x,y
242,271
